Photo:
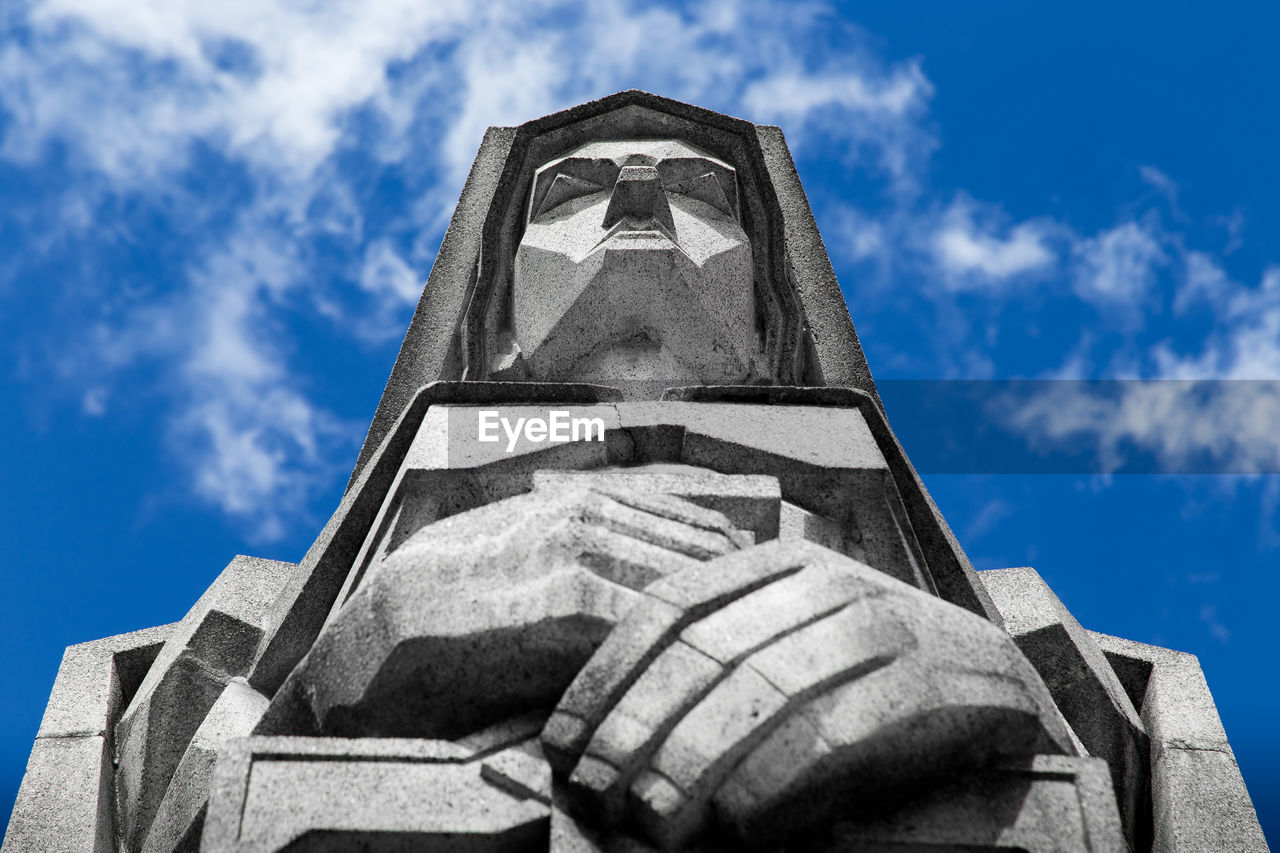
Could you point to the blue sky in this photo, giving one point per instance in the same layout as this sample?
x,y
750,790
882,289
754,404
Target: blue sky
x,y
214,219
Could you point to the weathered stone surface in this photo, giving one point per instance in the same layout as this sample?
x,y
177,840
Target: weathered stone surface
x,y
309,597
706,691
632,265
1043,805
1199,798
671,684
769,188
798,523
734,439
786,689
65,801
825,459
949,567
894,700
434,466
673,796
273,794
750,502
789,605
491,323
218,639
1084,686
446,471
489,613
95,679
649,627
180,816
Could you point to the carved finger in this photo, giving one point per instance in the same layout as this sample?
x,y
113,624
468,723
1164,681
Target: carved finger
x,y
685,512
672,795
620,558
846,751
699,542
706,651
667,608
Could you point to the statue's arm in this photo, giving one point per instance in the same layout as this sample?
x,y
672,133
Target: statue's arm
x,y
490,613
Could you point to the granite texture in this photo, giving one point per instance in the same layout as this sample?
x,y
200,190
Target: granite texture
x,y
374,794
813,339
769,686
633,265
1045,805
489,612
219,639
1198,796
179,818
66,800
1084,686
734,619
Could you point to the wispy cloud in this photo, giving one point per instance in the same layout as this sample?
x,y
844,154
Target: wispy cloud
x,y
1165,186
1130,284
252,153
973,255
1204,280
1183,426
1117,268
267,82
1212,406
1245,342
240,148
876,109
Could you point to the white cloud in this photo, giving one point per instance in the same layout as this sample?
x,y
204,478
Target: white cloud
x,y
1187,427
1165,186
281,92
1203,280
1246,341
1233,225
147,79
136,92
987,518
256,447
873,108
976,256
1117,268
1209,616
393,288
1214,409
94,402
274,82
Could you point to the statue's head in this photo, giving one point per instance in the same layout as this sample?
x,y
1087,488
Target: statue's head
x,y
633,265
629,238
638,248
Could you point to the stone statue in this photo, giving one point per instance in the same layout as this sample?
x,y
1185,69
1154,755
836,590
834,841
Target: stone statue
x,y
633,266
724,614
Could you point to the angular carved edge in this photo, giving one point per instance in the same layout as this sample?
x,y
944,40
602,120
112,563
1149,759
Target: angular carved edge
x,y
275,793
948,565
1085,686
1019,805
1199,799
65,802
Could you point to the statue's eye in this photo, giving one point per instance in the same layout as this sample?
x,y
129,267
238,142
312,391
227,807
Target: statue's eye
x,y
705,188
565,188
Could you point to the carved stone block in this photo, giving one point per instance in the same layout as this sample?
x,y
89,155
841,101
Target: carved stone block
x,y
375,794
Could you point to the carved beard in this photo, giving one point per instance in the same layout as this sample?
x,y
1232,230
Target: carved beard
x,y
637,307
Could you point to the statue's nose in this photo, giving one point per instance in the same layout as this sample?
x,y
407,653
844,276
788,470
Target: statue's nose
x,y
638,194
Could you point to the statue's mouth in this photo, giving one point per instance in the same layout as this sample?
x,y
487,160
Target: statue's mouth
x,y
630,234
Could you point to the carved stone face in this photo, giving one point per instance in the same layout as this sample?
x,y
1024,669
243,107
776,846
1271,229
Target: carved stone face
x,y
634,265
